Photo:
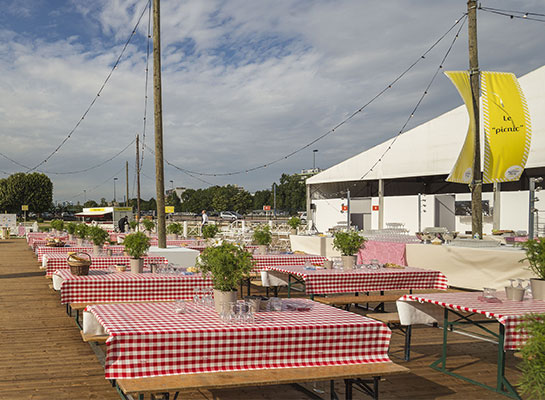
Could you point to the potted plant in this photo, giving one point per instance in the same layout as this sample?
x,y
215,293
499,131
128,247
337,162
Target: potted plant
x,y
174,229
71,229
133,225
294,223
532,366
348,243
262,237
98,236
227,265
136,245
57,225
535,255
81,233
148,225
209,231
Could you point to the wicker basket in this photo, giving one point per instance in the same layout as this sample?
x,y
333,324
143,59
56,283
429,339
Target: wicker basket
x,y
79,265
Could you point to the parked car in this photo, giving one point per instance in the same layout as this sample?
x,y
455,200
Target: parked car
x,y
230,215
303,216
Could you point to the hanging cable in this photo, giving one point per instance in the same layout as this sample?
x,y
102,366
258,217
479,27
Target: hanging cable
x,y
530,16
179,169
148,43
332,130
418,102
99,185
96,96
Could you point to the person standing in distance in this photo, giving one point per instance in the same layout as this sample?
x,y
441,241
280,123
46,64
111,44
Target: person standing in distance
x,y
204,217
121,224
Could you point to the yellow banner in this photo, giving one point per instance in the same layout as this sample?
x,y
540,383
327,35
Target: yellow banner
x,y
462,172
169,209
507,129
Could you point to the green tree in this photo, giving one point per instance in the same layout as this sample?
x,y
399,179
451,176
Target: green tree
x,y
90,204
262,198
34,190
291,193
174,200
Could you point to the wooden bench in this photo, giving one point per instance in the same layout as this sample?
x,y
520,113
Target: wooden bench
x,y
348,300
365,376
93,338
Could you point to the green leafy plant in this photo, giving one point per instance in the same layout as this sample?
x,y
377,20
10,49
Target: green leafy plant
x,y
174,228
136,244
133,224
348,243
98,235
535,255
82,231
71,228
294,222
57,224
262,235
227,265
209,231
532,366
148,225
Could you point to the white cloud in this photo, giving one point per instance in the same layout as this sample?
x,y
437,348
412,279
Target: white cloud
x,y
244,83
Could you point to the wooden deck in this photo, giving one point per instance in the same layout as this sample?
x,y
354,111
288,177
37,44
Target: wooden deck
x,y
42,355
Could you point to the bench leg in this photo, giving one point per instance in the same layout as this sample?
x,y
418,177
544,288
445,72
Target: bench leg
x,y
363,386
408,332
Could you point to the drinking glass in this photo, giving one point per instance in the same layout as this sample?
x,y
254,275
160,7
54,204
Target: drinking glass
x,y
197,296
275,304
489,293
180,306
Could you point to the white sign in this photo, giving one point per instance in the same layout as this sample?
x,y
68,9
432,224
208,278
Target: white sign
x,y
10,221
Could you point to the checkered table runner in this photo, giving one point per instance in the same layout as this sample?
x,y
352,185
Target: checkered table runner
x,y
384,252
508,312
42,250
151,339
100,286
56,261
42,240
327,281
272,260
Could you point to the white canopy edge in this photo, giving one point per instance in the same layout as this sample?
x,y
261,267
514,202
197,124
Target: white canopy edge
x,y
433,147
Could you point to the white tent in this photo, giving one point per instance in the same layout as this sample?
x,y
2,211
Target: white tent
x,y
425,153
433,147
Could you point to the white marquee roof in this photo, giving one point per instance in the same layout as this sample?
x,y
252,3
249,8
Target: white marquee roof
x,y
433,147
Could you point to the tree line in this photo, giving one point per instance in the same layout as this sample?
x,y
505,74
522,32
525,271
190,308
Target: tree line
x,y
36,191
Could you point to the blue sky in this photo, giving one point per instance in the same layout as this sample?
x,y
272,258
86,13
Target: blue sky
x,y
244,82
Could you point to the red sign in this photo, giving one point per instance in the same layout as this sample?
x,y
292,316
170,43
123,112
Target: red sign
x,y
375,208
266,208
344,208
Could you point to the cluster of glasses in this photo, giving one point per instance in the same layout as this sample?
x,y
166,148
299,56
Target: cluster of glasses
x,y
374,264
400,235
239,312
168,269
203,297
521,284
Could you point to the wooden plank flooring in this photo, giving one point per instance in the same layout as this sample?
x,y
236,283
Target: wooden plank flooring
x,y
42,355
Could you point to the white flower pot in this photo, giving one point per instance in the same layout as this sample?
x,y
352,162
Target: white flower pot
x,y
137,265
96,250
538,288
79,241
262,249
221,297
348,262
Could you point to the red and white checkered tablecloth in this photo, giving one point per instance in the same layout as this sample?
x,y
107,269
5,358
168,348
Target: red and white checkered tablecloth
x,y
150,339
384,252
56,261
508,312
41,241
101,286
271,260
327,281
41,250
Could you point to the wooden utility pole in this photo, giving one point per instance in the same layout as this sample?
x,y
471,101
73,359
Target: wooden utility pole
x,y
138,181
158,117
474,78
127,182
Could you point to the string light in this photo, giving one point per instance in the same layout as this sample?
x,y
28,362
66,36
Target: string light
x,y
418,102
96,96
332,130
530,16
